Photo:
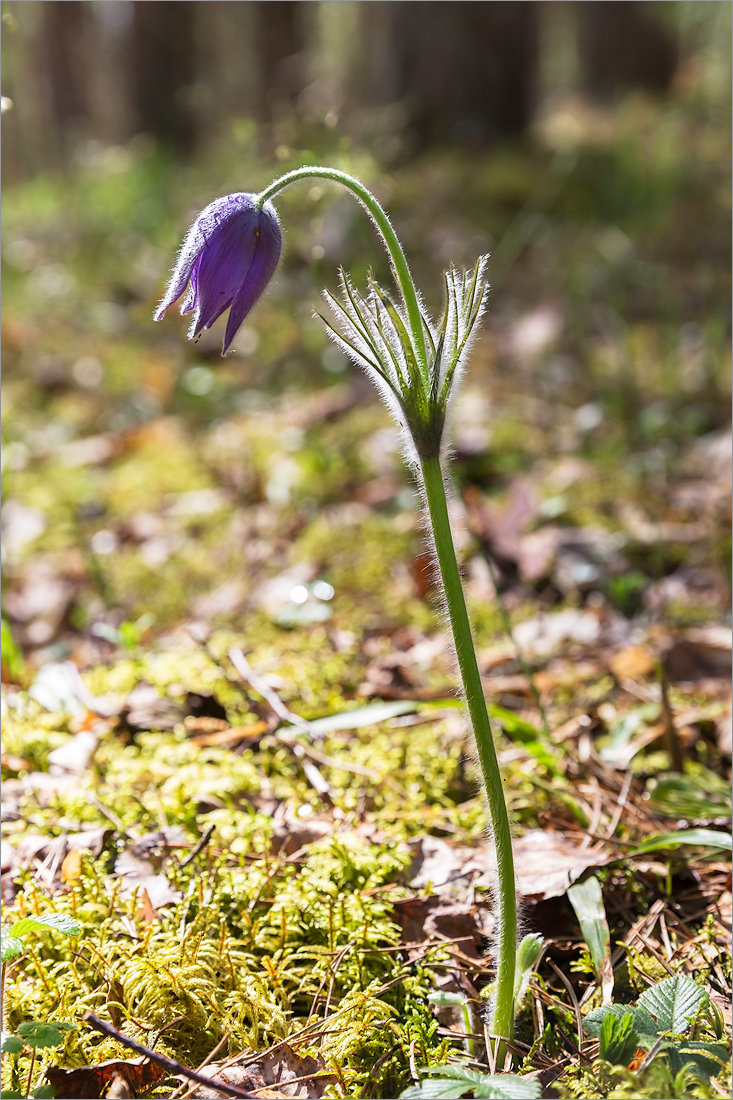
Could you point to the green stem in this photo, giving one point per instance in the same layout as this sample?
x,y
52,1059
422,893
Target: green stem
x,y
502,1019
393,246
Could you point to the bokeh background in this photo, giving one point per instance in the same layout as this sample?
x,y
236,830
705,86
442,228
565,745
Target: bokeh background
x,y
148,483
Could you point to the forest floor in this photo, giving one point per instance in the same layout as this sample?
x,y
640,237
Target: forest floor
x,y
233,749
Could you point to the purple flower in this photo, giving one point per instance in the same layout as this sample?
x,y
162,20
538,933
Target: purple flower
x,y
227,259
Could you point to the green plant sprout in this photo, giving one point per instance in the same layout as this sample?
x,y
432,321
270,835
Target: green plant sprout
x,y
658,1024
444,999
226,261
33,1034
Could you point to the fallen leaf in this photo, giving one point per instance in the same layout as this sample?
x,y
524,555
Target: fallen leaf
x,y
547,863
40,603
71,866
76,755
437,918
545,633
704,652
635,662
90,1082
141,868
293,1077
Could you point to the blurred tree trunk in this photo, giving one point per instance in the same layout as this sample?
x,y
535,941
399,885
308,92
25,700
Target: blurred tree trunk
x,y
164,69
280,48
622,45
467,71
64,42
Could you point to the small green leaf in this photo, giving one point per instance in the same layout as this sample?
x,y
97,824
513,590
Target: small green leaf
x,y
43,1092
8,1094
42,1033
11,948
673,1003
619,736
506,1086
586,899
517,728
699,796
703,838
643,1022
619,1040
528,954
11,1044
705,1059
369,715
443,999
60,922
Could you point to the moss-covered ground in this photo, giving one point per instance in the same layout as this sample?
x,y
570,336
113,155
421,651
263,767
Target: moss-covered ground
x,y
243,879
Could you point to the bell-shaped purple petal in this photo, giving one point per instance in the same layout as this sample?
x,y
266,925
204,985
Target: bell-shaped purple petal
x,y
265,257
227,259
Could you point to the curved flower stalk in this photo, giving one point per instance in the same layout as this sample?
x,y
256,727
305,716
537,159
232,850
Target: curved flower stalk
x,y
228,257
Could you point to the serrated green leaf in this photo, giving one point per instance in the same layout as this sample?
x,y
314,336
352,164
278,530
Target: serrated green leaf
x,y
673,1003
643,1022
42,1033
11,948
11,1044
60,922
434,1090
506,1086
619,1040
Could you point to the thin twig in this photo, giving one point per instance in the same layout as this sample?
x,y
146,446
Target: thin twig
x,y
613,824
377,1066
173,1067
199,847
271,697
574,999
179,1092
671,737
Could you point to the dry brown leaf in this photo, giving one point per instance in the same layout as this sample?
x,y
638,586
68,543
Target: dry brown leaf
x,y
436,918
90,1082
698,654
280,1073
635,662
71,866
546,863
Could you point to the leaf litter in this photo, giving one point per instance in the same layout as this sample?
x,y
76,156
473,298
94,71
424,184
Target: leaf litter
x,y
313,890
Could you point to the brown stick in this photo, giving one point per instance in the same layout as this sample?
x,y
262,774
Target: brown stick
x,y
174,1068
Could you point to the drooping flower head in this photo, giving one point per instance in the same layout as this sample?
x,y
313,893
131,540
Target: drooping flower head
x,y
227,260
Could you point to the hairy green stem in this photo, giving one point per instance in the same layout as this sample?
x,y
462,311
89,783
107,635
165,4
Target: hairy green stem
x,y
382,222
502,1018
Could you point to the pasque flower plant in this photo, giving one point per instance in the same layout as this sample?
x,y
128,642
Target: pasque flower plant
x,y
226,261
